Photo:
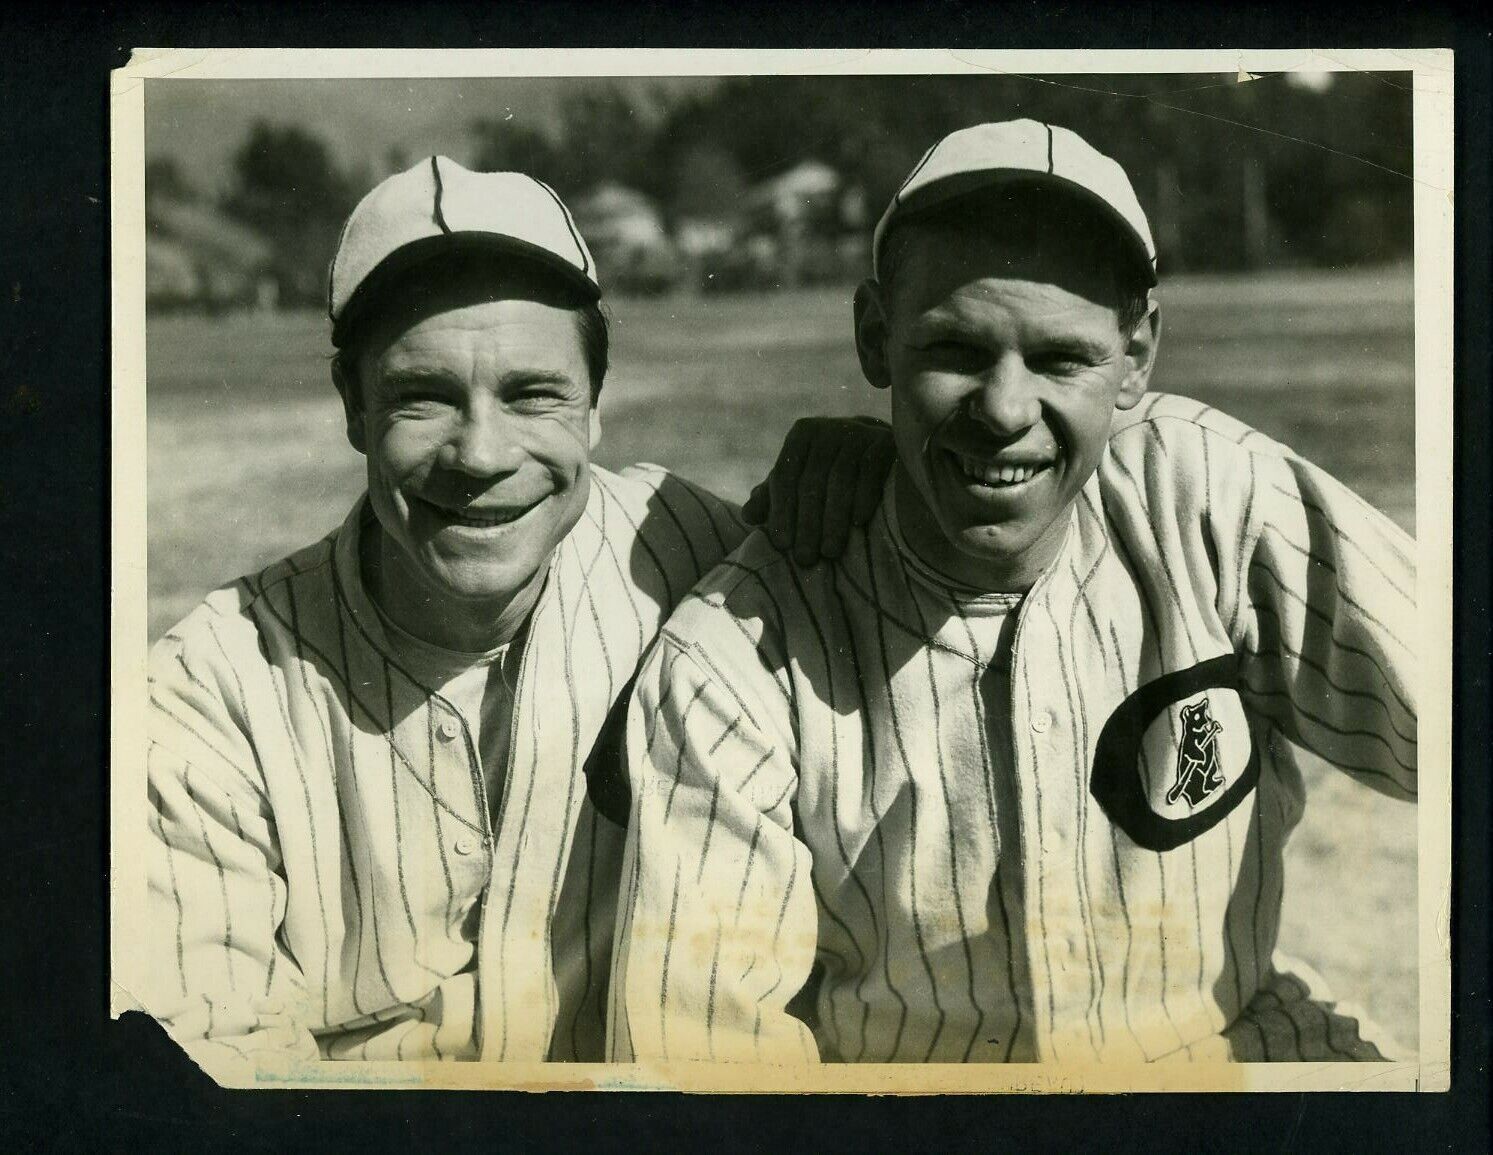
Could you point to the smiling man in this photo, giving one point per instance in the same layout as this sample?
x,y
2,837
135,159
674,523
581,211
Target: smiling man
x,y
384,796
1013,777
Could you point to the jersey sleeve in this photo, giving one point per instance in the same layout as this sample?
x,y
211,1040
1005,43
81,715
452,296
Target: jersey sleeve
x,y
691,519
717,924
218,980
1329,649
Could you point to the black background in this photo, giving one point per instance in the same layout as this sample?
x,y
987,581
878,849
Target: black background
x,y
69,1078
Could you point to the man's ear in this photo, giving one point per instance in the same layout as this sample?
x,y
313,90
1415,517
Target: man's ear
x,y
352,403
595,426
871,333
1140,357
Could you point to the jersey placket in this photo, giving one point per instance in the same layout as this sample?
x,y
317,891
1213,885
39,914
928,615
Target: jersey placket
x,y
1062,981
489,944
457,756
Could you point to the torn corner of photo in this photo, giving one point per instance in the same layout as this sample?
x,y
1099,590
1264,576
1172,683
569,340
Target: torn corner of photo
x,y
452,750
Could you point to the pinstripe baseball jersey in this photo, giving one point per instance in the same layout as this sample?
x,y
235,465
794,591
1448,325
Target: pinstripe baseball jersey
x,y
1047,827
326,874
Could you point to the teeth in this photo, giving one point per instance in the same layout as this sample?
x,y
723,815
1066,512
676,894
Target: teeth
x,y
483,520
998,474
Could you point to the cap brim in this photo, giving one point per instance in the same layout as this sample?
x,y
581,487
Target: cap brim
x,y
400,263
952,187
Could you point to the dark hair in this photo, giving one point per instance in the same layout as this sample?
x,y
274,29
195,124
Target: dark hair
x,y
973,213
595,342
591,320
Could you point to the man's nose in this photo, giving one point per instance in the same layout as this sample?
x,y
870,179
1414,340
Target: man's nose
x,y
483,444
1007,400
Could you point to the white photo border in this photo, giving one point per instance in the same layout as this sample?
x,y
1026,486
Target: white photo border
x,y
1432,73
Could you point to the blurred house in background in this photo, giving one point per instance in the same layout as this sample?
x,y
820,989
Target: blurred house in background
x,y
703,243
626,234
804,226
197,257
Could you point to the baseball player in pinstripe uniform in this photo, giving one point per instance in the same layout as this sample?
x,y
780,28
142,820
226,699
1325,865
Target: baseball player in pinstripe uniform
x,y
379,804
1014,776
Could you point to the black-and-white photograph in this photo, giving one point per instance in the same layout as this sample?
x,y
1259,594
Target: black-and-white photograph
x,y
765,574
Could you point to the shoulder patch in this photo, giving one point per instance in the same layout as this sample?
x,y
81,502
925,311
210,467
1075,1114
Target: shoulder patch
x,y
1196,711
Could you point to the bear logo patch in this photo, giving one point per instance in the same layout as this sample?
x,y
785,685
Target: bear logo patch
x,y
1198,775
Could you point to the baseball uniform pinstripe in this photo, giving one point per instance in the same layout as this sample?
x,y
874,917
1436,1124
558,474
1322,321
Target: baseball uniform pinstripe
x,y
326,875
1052,832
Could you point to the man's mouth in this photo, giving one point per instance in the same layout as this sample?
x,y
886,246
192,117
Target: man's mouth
x,y
475,518
999,474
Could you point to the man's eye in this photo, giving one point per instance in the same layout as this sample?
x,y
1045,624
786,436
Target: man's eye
x,y
1061,363
420,399
539,397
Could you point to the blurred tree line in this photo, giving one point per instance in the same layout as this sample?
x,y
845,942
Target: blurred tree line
x,y
1234,172
289,187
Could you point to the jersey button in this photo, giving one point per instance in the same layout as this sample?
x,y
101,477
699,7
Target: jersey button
x,y
465,845
448,729
1042,721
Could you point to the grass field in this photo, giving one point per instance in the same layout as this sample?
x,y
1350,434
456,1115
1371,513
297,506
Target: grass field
x,y
247,461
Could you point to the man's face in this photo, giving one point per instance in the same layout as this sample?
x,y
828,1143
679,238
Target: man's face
x,y
1006,364
477,423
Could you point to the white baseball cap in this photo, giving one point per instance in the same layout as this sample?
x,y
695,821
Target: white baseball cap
x,y
1020,151
438,205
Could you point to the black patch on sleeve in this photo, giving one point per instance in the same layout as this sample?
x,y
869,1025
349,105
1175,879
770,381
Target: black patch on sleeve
x,y
606,765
